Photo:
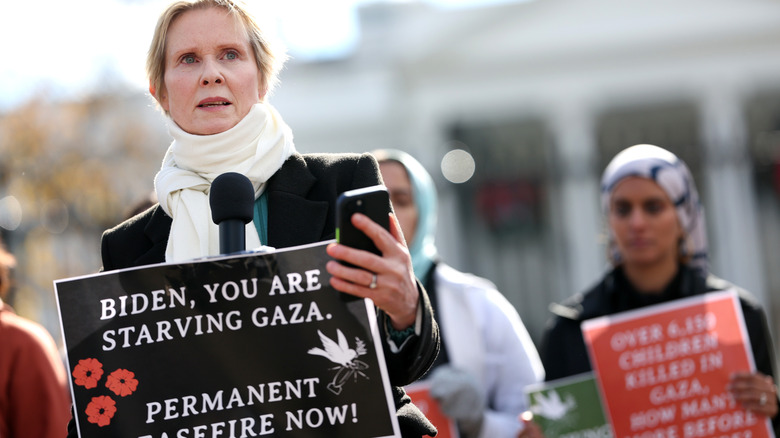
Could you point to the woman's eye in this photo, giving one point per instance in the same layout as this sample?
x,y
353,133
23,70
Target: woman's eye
x,y
404,202
231,55
621,209
189,59
654,207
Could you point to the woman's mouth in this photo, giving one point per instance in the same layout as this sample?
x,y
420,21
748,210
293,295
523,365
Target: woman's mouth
x,y
213,104
640,243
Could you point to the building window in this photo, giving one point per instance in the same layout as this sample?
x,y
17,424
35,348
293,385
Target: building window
x,y
673,126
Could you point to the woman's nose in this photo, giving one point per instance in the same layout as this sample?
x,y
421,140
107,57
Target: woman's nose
x,y
211,73
637,218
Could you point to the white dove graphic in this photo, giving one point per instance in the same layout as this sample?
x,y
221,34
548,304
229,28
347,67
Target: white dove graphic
x,y
552,406
337,353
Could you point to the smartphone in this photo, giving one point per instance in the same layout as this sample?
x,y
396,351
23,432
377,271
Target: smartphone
x,y
373,202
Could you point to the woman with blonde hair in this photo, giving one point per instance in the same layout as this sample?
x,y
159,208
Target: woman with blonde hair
x,y
210,69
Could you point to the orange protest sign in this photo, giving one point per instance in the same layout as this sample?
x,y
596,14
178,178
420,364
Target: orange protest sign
x,y
421,396
662,370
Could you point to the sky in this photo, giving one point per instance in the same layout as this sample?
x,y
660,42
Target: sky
x,y
62,49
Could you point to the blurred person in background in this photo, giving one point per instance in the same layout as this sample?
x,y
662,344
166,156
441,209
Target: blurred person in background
x,y
658,253
210,68
34,398
487,356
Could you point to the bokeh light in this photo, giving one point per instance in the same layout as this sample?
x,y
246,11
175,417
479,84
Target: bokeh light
x,y
10,213
457,166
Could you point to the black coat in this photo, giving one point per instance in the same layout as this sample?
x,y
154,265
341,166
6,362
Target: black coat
x,y
301,209
563,351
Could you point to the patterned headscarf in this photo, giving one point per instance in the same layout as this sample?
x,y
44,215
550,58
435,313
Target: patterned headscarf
x,y
671,173
422,248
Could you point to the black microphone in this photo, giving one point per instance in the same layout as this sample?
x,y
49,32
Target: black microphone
x,y
232,200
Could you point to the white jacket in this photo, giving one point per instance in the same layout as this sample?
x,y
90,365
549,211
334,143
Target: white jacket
x,y
484,335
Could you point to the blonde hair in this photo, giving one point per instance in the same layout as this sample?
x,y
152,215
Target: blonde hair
x,y
269,57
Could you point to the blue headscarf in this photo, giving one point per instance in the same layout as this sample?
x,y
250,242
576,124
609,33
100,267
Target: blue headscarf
x,y
422,247
673,176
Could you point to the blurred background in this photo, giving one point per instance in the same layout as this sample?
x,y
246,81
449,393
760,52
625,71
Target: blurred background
x,y
515,107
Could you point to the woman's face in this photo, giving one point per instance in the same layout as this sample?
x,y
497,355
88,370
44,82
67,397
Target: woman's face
x,y
211,78
644,223
401,196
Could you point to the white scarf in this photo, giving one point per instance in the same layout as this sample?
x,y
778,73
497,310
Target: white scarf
x,y
256,147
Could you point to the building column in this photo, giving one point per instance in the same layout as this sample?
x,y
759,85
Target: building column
x,y
578,216
734,249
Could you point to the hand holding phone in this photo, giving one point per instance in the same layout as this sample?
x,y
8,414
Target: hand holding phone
x,y
373,202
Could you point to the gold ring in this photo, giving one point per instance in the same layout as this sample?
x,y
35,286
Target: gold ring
x,y
372,285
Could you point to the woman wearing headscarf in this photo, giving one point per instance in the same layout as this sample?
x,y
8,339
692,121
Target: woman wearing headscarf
x,y
487,356
210,68
658,253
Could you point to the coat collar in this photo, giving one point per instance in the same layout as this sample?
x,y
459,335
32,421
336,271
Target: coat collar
x,y
292,218
157,229
605,299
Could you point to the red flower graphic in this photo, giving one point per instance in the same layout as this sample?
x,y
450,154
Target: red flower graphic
x,y
101,410
122,382
88,372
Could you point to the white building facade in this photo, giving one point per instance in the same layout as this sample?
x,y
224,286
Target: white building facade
x,y
543,94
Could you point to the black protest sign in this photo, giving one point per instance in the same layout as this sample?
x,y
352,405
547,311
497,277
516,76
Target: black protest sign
x,y
242,346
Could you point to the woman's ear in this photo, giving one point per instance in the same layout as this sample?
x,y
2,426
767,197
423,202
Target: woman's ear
x,y
161,98
684,250
263,89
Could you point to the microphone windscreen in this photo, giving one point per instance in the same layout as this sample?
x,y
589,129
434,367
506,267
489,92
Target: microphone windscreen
x,y
232,196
